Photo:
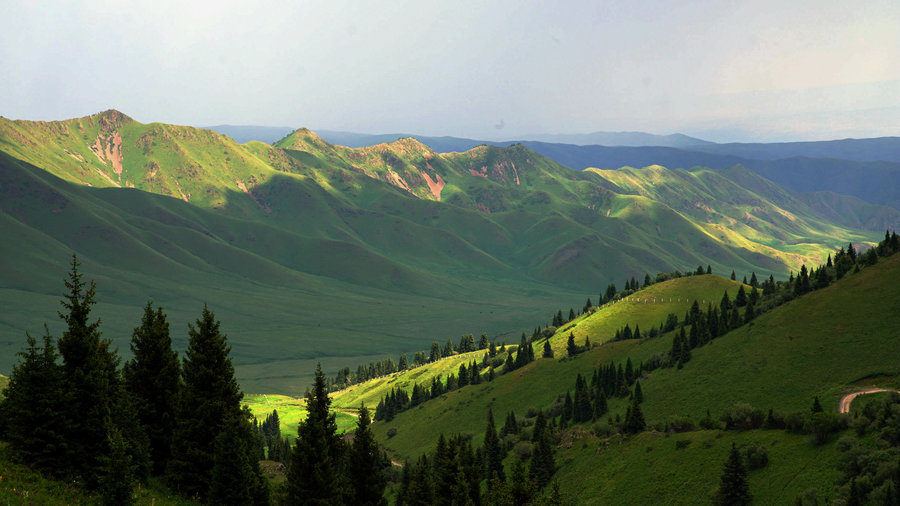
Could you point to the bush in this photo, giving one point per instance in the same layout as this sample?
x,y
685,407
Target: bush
x,y
757,456
820,426
743,416
681,424
603,429
682,444
522,450
392,432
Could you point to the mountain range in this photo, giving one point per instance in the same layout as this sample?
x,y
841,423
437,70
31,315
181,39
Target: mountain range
x,y
384,248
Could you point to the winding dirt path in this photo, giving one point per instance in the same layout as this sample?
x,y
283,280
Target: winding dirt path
x,y
844,406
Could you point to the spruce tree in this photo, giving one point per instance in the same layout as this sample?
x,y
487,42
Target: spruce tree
x,y
493,453
210,404
152,378
231,477
314,476
91,381
30,410
363,472
548,350
542,465
571,347
733,489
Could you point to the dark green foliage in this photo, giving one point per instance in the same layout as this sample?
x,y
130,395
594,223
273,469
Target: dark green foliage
x,y
31,408
493,453
152,378
542,465
634,419
314,476
571,348
817,406
363,465
117,481
232,476
733,488
638,393
548,350
740,300
91,381
210,403
581,404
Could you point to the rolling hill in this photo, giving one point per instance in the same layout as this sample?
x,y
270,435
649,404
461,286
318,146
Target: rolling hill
x,y
823,344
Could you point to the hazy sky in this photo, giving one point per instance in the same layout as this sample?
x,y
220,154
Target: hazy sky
x,y
750,70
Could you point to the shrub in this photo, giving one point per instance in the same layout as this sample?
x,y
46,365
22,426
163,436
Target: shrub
x,y
743,416
820,426
682,444
757,456
681,424
392,432
522,450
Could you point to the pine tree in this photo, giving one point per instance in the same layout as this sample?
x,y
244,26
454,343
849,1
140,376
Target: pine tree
x,y
817,406
740,300
314,476
210,403
634,419
548,350
638,392
403,363
733,489
366,481
91,381
34,426
117,481
493,454
571,347
153,378
542,465
231,477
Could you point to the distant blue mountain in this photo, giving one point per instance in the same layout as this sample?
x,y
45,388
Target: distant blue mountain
x,y
246,133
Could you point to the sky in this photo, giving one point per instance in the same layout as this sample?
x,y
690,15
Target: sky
x,y
754,70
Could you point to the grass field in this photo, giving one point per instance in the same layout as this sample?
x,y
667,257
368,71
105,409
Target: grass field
x,y
291,411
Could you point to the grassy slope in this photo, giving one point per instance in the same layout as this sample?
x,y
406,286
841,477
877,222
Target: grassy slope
x,y
538,384
649,469
20,485
818,345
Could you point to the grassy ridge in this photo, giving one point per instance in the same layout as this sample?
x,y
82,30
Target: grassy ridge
x,y
814,346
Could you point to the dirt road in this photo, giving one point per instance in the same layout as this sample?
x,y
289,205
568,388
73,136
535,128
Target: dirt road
x,y
844,406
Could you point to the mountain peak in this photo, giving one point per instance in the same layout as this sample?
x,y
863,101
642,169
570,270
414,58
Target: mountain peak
x,y
110,120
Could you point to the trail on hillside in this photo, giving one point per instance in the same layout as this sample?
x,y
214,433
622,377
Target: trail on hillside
x,y
844,406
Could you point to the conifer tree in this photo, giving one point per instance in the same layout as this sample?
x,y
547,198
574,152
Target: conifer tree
x,y
363,469
91,381
740,300
733,489
548,350
314,476
152,378
571,347
232,476
34,427
210,404
638,392
634,419
493,454
817,406
542,465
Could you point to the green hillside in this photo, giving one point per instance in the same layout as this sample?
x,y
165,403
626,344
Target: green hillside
x,y
823,344
382,249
